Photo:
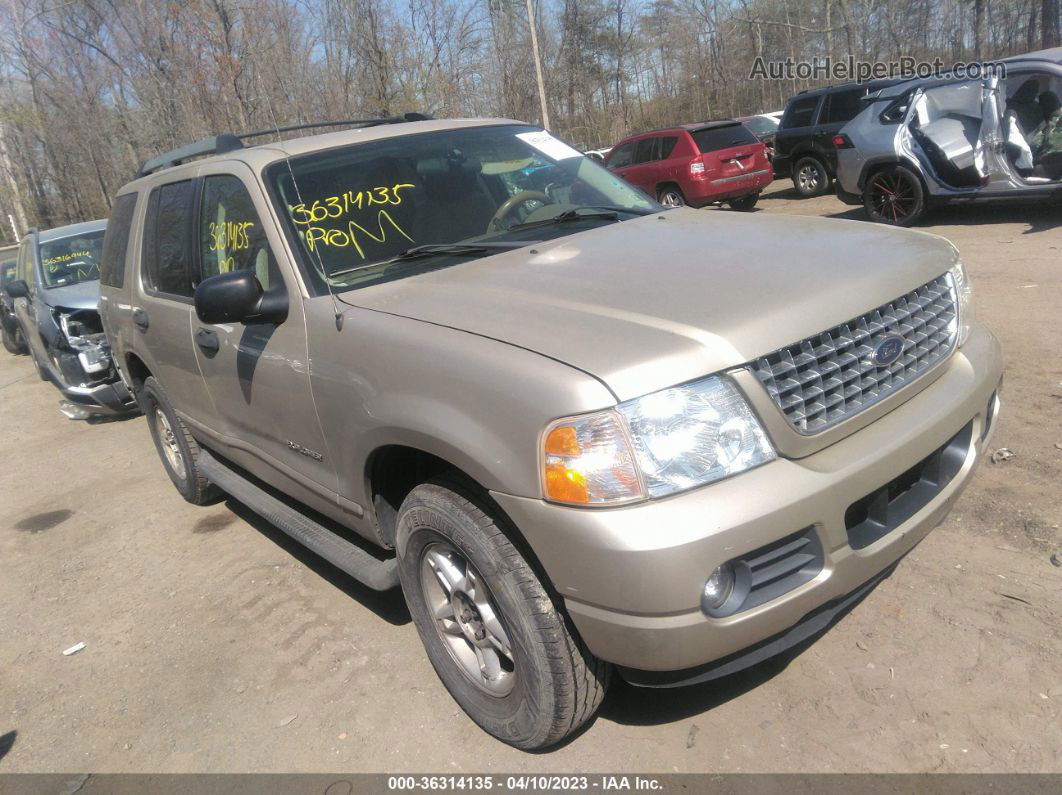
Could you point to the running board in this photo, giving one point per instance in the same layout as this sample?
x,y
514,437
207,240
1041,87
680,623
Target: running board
x,y
377,574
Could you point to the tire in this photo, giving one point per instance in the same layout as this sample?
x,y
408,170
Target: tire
x,y
13,342
745,203
175,445
894,196
810,177
671,196
548,684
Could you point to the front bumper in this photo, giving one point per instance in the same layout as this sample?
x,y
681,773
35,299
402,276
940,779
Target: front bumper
x,y
109,398
631,577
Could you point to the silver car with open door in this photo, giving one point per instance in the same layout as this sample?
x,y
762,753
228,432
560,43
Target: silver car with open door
x,y
943,139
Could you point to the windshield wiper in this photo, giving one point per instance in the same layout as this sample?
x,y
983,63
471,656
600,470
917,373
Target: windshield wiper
x,y
436,250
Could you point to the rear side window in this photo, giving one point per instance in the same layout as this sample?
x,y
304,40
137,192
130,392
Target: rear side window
x,y
231,237
896,110
646,150
623,155
842,106
799,113
167,252
116,241
667,146
714,138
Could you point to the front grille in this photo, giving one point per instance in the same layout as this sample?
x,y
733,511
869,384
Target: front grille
x,y
887,507
823,380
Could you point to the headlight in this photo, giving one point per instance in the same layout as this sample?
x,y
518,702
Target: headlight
x,y
652,446
962,292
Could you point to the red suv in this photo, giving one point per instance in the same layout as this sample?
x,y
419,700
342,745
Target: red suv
x,y
696,164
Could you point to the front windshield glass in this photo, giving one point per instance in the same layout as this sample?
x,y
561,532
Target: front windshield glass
x,y
761,125
352,210
73,259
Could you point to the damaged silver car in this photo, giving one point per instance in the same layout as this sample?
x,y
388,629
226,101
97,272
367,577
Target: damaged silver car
x,y
54,298
942,139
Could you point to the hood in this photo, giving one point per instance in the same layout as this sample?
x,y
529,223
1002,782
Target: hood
x,y
655,301
83,295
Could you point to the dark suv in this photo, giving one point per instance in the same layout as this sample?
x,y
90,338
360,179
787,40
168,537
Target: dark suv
x,y
804,148
695,164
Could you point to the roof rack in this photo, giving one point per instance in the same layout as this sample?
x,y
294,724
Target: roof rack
x,y
228,142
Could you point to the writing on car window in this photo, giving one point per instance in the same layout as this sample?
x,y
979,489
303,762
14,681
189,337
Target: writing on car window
x,y
349,220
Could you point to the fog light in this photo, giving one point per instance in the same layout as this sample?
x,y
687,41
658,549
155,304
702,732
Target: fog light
x,y
719,587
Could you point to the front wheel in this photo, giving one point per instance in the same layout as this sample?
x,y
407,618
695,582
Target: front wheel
x,y
894,196
745,203
498,642
13,342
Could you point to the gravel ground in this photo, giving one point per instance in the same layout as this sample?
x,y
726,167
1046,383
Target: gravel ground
x,y
212,643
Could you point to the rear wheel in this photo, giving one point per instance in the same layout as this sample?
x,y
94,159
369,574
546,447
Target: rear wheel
x,y
810,177
175,445
745,203
671,196
498,642
894,196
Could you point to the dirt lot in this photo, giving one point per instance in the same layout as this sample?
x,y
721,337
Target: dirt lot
x,y
215,644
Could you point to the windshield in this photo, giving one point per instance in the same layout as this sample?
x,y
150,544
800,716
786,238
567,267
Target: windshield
x,y
69,260
761,125
353,211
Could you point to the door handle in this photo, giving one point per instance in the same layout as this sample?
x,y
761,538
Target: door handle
x,y
140,318
207,340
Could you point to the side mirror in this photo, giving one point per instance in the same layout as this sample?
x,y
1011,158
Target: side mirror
x,y
238,297
17,288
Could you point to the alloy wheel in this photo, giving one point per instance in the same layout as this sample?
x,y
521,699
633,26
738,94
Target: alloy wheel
x,y
809,179
168,440
466,619
892,197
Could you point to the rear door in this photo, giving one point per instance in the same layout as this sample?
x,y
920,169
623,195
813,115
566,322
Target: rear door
x,y
730,152
795,130
838,108
161,308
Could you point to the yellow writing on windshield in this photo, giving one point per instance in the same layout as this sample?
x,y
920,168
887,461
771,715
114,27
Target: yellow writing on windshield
x,y
349,237
66,257
337,206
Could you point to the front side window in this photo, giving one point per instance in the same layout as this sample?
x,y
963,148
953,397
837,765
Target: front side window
x,y
167,253
231,237
351,211
71,259
800,113
623,156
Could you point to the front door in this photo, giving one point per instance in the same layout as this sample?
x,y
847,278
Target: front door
x,y
257,375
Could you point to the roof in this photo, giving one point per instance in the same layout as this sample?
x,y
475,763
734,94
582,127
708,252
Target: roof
x,y
869,85
262,154
71,230
1054,55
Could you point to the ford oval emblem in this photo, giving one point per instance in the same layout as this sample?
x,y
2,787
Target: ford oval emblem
x,y
888,350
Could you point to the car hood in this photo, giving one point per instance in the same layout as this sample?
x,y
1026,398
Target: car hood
x,y
83,295
656,301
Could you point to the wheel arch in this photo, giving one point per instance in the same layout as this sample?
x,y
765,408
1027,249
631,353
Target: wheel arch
x,y
392,471
871,167
136,371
